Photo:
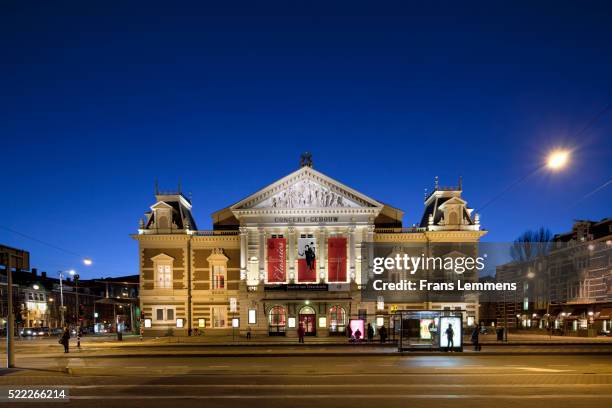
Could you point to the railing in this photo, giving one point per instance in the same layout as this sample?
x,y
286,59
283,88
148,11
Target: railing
x,y
209,233
410,230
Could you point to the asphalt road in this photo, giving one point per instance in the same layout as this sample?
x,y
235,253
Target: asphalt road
x,y
323,381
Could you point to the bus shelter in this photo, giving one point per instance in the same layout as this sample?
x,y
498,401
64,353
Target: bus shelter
x,y
434,330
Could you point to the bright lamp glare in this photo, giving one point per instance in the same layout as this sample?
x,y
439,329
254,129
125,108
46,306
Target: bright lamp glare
x,y
87,261
557,159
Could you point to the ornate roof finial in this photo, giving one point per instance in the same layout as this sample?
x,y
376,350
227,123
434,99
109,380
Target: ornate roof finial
x,y
436,182
460,183
306,159
179,185
156,187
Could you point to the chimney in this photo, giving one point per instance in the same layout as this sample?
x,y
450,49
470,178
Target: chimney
x,y
34,271
43,275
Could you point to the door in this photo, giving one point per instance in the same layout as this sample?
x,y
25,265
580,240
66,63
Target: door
x,y
308,321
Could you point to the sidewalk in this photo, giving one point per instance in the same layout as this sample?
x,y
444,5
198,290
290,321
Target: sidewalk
x,y
514,339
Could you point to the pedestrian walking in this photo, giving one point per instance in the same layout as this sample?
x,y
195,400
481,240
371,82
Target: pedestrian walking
x,y
450,333
370,333
349,332
475,333
79,337
249,333
301,332
65,339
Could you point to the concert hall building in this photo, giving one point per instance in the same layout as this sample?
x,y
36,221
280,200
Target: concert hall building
x,y
287,255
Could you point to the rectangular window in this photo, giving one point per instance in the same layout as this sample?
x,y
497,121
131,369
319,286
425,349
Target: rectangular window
x,y
164,276
164,314
218,277
201,323
219,317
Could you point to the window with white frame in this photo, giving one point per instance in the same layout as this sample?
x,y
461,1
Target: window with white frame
x,y
218,269
164,313
162,264
219,317
219,277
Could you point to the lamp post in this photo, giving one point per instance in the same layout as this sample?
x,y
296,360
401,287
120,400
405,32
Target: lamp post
x,y
61,277
10,323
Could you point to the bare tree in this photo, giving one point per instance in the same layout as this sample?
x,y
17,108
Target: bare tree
x,y
531,244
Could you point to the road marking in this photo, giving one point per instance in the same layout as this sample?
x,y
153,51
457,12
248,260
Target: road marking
x,y
334,386
344,397
542,370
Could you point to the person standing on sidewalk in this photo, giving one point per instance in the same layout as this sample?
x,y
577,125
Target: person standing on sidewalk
x,y
79,337
301,333
370,333
65,339
475,333
382,332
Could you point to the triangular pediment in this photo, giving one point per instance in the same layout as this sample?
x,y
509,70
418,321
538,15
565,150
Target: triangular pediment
x,y
454,200
304,189
161,204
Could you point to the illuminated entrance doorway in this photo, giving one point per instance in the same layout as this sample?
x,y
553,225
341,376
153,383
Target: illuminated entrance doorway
x,y
307,319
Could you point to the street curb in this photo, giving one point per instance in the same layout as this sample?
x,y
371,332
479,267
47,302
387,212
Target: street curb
x,y
364,354
229,345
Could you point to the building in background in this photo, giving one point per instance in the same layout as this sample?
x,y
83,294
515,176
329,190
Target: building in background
x,y
288,255
97,305
569,290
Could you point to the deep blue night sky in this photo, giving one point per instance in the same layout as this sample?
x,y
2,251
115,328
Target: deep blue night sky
x,y
97,103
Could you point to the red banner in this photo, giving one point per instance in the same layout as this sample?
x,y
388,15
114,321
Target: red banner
x,y
277,249
307,260
336,259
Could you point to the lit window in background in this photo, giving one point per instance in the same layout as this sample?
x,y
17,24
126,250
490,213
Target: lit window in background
x,y
252,316
322,321
201,323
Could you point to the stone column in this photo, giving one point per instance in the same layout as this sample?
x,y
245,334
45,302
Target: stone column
x,y
243,253
370,243
351,245
322,234
291,243
262,254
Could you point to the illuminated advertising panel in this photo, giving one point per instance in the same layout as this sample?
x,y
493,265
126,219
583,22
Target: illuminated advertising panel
x,y
450,328
357,324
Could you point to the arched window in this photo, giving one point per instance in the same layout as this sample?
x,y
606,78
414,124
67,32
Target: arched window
x,y
277,319
307,310
337,319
